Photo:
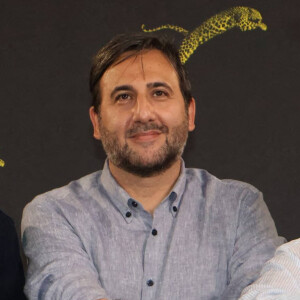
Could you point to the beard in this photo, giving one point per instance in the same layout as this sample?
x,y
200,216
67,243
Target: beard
x,y
155,163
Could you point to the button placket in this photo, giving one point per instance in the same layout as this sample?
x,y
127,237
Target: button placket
x,y
155,248
151,260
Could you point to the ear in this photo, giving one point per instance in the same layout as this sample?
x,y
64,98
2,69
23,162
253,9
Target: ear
x,y
95,121
191,114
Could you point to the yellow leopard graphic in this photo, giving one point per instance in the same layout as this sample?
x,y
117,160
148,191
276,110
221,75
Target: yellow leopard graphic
x,y
245,18
2,163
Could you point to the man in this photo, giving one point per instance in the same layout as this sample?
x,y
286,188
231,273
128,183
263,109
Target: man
x,y
280,276
145,227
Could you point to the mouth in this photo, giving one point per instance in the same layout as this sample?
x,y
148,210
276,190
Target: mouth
x,y
145,136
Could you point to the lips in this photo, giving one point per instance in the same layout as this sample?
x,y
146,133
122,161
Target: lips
x,y
146,135
146,130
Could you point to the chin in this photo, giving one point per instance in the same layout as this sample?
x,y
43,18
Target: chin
x,y
148,167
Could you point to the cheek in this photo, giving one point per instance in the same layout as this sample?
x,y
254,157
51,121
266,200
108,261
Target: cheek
x,y
116,123
173,117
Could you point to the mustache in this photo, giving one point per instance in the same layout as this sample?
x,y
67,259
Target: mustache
x,y
138,128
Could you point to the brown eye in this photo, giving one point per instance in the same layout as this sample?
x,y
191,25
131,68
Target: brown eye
x,y
159,93
122,97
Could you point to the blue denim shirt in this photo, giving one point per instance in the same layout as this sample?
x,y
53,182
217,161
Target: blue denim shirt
x,y
208,239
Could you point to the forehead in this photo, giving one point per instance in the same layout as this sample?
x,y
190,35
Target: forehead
x,y
147,65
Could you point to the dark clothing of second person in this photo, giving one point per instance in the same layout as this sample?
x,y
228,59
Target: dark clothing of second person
x,y
11,269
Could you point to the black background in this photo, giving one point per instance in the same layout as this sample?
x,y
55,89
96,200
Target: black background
x,y
246,85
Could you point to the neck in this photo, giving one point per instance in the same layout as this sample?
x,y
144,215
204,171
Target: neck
x,y
149,191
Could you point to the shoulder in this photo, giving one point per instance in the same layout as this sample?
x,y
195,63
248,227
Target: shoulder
x,y
207,181
229,195
292,248
288,257
70,197
82,185
5,221
7,225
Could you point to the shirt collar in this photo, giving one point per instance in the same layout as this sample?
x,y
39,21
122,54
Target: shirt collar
x,y
118,196
123,202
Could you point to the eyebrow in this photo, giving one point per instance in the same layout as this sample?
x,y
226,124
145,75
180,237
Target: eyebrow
x,y
159,84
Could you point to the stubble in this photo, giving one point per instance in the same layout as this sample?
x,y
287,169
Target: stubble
x,y
126,158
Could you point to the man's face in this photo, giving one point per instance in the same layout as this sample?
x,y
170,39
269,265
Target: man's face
x,y
143,122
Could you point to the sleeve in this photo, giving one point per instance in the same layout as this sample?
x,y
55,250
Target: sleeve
x,y
280,276
58,264
255,242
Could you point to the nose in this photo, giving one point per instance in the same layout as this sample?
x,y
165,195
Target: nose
x,y
143,110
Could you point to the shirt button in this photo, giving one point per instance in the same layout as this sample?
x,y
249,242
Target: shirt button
x,y
174,208
134,204
154,232
150,282
128,214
